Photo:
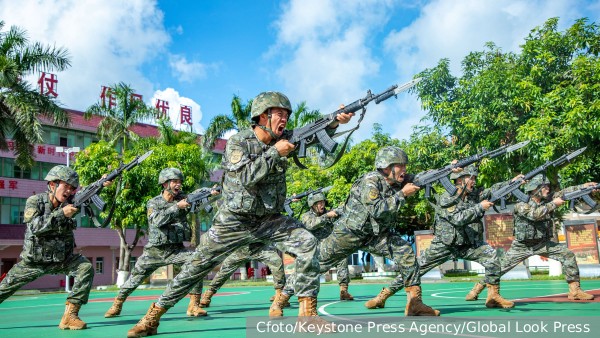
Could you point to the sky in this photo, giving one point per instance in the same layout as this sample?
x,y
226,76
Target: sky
x,y
201,53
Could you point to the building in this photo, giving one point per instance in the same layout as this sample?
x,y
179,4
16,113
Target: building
x,y
100,246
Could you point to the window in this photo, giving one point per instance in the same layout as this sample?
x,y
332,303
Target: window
x,y
8,167
99,264
11,210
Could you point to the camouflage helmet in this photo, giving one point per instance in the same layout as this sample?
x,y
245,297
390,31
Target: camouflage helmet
x,y
314,198
63,173
470,170
169,174
266,100
535,182
387,156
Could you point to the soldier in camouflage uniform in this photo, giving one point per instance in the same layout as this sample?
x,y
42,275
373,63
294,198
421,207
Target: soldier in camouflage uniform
x,y
269,256
320,223
254,190
458,232
49,245
534,236
367,218
168,229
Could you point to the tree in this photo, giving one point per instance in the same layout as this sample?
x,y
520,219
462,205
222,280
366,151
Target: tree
x,y
138,185
118,119
220,124
20,105
547,93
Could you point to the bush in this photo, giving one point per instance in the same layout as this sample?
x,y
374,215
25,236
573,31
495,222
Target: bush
x,y
459,273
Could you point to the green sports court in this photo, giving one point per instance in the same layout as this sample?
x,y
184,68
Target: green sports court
x,y
38,315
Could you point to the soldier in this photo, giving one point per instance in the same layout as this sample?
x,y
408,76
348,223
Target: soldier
x,y
168,229
459,232
368,215
320,223
49,245
534,222
269,256
254,190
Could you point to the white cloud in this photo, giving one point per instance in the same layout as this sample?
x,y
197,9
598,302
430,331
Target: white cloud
x,y
185,70
175,102
107,40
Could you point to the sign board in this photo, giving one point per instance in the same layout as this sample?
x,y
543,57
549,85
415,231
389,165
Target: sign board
x,y
423,240
499,230
582,240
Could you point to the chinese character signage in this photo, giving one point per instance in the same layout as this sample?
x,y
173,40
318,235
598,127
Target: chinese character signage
x,y
499,230
582,240
186,115
48,84
163,108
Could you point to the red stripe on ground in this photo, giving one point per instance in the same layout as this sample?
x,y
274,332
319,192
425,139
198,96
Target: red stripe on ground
x,y
562,298
144,298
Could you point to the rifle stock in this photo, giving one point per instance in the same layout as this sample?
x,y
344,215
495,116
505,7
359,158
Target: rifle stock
x,y
582,194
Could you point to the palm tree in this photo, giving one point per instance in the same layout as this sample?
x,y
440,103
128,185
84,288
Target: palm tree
x,y
302,116
220,124
117,120
114,128
20,104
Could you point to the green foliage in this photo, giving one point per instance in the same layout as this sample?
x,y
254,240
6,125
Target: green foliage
x,y
547,93
141,183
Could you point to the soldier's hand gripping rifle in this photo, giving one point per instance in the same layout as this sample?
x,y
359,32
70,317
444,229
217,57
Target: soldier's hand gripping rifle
x,y
90,192
201,198
315,131
289,200
513,187
427,178
582,194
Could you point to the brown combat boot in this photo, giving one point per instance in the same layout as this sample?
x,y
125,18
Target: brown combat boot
x,y
575,292
278,291
344,294
495,300
281,299
70,319
379,300
475,291
194,309
205,301
115,308
415,305
148,325
309,320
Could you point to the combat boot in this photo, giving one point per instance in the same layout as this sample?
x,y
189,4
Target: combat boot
x,y
475,291
148,325
70,319
194,309
309,320
276,309
379,300
115,308
415,305
205,301
344,294
278,291
575,292
495,300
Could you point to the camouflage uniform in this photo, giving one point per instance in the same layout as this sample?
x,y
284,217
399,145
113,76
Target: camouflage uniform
x,y
534,227
269,256
168,229
458,230
48,249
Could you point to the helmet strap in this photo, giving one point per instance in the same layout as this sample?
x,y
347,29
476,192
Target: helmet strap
x,y
269,129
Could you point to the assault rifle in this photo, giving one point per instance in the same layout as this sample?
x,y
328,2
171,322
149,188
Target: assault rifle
x,y
90,192
583,194
289,200
427,178
315,131
200,198
513,187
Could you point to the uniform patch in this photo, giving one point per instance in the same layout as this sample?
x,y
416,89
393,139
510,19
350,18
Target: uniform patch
x,y
29,213
452,208
236,156
150,210
373,193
